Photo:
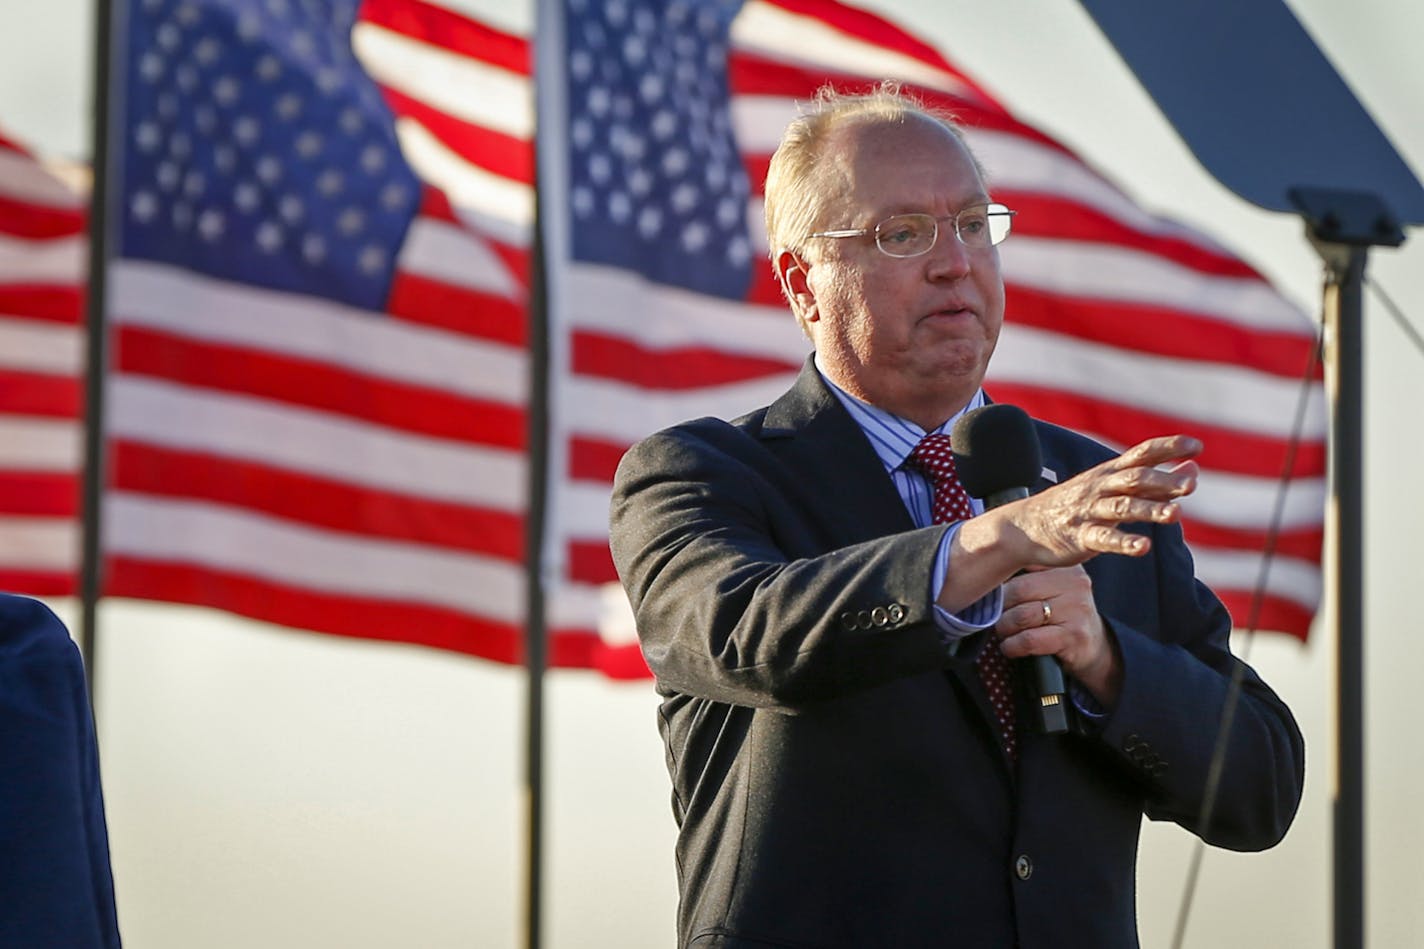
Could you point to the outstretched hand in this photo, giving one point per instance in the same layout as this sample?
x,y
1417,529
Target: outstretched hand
x,y
1082,517
1075,521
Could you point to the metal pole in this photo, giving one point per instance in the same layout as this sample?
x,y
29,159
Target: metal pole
x,y
535,632
96,356
1344,310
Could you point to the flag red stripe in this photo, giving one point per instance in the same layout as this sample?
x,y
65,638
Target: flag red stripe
x,y
877,31
591,459
33,393
1301,543
1276,613
431,302
298,381
451,31
434,204
500,154
591,562
609,357
1226,450
1048,215
57,304
751,74
360,617
39,582
39,493
583,649
1163,331
765,289
316,501
31,221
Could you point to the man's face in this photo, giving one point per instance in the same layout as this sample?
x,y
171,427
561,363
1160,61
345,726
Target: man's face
x,y
912,335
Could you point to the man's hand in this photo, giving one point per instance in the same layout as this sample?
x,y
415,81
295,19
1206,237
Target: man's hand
x,y
1050,612
1074,521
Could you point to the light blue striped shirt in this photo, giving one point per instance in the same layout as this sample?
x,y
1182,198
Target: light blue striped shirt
x,y
893,438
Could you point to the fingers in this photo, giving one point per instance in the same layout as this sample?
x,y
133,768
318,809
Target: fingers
x,y
1162,450
1142,485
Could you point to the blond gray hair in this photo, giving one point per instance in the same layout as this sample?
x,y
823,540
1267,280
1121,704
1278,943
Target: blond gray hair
x,y
797,179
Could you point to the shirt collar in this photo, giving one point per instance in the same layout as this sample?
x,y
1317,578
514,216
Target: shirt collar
x,y
892,437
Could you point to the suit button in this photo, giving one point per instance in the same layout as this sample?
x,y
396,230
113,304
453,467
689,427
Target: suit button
x,y
879,616
896,612
1023,866
862,619
848,621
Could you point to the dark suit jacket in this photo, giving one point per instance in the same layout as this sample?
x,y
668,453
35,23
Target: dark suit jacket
x,y
835,778
56,891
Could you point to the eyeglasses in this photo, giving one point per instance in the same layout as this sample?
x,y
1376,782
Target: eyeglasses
x,y
910,235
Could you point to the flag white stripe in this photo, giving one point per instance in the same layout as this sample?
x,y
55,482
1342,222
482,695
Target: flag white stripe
x,y
503,207
59,260
1241,501
186,304
251,544
39,543
458,85
1111,272
25,179
41,444
1210,393
451,254
763,29
39,346
618,302
624,413
302,440
1289,577
1020,164
1204,393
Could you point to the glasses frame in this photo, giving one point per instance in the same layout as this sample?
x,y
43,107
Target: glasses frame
x,y
991,209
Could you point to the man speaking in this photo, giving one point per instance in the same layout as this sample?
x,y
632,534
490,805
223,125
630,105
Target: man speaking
x,y
832,621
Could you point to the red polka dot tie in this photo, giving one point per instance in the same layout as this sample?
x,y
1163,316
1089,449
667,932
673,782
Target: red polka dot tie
x,y
951,503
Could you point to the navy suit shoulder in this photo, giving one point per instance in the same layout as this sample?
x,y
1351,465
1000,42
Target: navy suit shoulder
x,y
56,886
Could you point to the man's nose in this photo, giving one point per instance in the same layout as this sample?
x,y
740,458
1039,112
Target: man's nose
x,y
949,258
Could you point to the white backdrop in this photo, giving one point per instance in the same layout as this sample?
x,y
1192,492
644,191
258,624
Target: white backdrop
x,y
274,789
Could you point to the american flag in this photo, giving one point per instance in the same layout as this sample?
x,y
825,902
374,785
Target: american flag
x,y
1120,324
42,267
317,403
319,300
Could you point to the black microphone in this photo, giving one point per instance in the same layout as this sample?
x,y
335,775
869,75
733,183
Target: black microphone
x,y
997,458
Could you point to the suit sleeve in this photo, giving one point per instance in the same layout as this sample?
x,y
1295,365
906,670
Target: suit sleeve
x,y
736,595
56,886
1176,688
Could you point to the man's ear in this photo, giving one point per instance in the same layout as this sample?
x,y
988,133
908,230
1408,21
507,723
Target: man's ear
x,y
795,279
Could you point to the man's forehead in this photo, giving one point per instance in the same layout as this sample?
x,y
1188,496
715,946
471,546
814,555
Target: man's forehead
x,y
916,159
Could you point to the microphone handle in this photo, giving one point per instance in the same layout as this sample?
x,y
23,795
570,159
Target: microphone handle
x,y
1040,678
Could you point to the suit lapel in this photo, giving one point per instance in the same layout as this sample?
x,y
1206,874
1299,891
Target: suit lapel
x,y
822,446
824,449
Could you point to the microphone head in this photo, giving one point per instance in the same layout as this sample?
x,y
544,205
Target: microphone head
x,y
996,449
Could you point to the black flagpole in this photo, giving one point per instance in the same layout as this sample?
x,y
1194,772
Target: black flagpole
x,y
549,58
1343,225
106,95
535,631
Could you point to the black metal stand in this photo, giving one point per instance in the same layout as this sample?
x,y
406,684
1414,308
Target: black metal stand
x,y
1343,226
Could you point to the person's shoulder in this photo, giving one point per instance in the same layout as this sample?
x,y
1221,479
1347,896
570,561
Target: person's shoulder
x,y
1071,448
29,627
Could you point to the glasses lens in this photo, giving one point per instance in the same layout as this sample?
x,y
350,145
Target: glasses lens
x,y
983,225
906,235
1001,219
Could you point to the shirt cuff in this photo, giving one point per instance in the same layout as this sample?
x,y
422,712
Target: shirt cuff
x,y
981,614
